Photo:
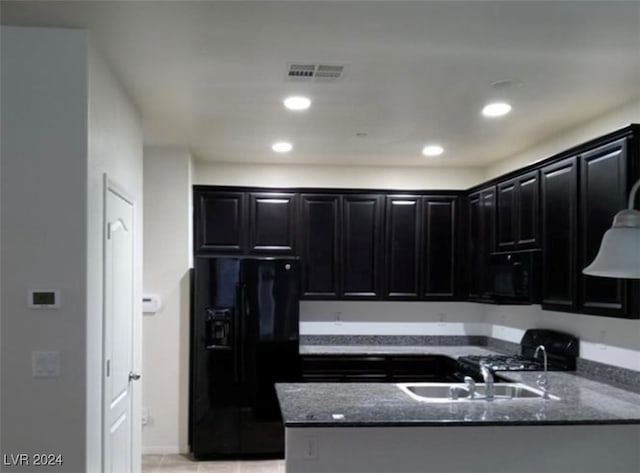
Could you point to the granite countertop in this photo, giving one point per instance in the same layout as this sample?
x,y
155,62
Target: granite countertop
x,y
453,351
582,401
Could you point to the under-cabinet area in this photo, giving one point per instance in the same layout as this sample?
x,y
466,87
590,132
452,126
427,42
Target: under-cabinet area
x,y
378,368
521,238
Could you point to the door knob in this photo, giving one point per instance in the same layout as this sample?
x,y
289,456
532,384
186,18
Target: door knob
x,y
134,376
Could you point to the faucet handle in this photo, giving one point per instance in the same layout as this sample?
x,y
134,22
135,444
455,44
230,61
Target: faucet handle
x,y
471,386
543,381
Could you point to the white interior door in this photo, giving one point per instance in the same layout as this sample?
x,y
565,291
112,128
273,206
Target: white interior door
x,y
118,331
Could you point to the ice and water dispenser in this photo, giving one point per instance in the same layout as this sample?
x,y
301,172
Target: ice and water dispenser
x,y
218,329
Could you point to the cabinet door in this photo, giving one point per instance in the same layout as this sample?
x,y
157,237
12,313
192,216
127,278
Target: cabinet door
x,y
517,215
482,240
559,235
220,222
506,215
528,215
475,267
272,223
320,249
488,221
362,217
439,246
402,247
603,193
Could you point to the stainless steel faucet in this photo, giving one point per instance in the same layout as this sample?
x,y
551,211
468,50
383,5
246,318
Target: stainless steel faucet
x,y
543,379
488,381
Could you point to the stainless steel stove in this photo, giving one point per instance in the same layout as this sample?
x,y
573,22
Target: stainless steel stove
x,y
562,351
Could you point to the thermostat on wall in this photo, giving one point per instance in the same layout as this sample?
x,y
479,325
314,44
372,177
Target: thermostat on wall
x,y
151,303
44,299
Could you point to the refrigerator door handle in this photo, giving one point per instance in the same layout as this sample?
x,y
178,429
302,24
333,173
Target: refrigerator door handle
x,y
238,349
243,314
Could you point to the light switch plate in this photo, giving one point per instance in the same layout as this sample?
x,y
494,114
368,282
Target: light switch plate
x,y
45,364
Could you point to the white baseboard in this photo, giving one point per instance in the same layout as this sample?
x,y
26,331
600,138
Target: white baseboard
x,y
164,449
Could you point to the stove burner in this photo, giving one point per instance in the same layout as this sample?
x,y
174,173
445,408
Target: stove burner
x,y
504,362
562,352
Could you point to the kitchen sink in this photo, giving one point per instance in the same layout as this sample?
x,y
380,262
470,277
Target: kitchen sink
x,y
458,392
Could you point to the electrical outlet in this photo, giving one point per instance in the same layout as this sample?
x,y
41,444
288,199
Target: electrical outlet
x,y
310,448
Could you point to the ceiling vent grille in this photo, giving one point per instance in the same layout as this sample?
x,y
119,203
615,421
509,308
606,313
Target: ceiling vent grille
x,y
315,72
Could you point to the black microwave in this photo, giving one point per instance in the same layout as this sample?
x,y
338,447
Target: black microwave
x,y
515,277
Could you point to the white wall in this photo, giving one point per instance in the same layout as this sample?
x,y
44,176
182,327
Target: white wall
x,y
167,242
115,148
363,177
391,318
607,123
65,121
44,221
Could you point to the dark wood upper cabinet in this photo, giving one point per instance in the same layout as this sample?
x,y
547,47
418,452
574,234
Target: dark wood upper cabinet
x,y
220,222
506,215
481,240
402,253
518,213
272,225
559,209
320,245
361,232
473,245
528,215
439,237
603,192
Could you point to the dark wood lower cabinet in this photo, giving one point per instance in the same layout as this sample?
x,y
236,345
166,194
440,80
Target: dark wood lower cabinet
x,y
379,368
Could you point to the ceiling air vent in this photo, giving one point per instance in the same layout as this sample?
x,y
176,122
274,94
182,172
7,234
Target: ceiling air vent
x,y
315,72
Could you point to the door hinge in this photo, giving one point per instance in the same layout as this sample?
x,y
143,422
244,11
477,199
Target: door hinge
x,y
108,368
108,230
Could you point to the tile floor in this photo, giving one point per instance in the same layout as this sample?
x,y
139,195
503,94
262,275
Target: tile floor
x,y
183,464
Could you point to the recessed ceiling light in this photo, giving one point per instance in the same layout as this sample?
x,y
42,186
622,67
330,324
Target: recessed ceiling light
x,y
496,109
282,147
432,150
297,103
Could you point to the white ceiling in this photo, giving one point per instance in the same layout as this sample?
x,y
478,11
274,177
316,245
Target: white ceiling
x,y
211,75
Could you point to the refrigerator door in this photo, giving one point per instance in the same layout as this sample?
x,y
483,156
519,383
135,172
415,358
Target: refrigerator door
x,y
270,348
215,390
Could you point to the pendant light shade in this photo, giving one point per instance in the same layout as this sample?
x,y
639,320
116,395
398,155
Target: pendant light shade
x,y
619,254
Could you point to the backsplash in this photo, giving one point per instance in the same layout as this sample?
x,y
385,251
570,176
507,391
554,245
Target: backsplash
x,y
620,377
404,340
616,376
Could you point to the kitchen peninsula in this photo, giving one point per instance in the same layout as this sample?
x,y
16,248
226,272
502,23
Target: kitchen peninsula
x,y
376,427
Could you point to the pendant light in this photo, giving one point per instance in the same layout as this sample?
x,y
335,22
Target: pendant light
x,y
619,255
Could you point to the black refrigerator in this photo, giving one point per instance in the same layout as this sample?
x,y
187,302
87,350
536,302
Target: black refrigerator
x,y
244,338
